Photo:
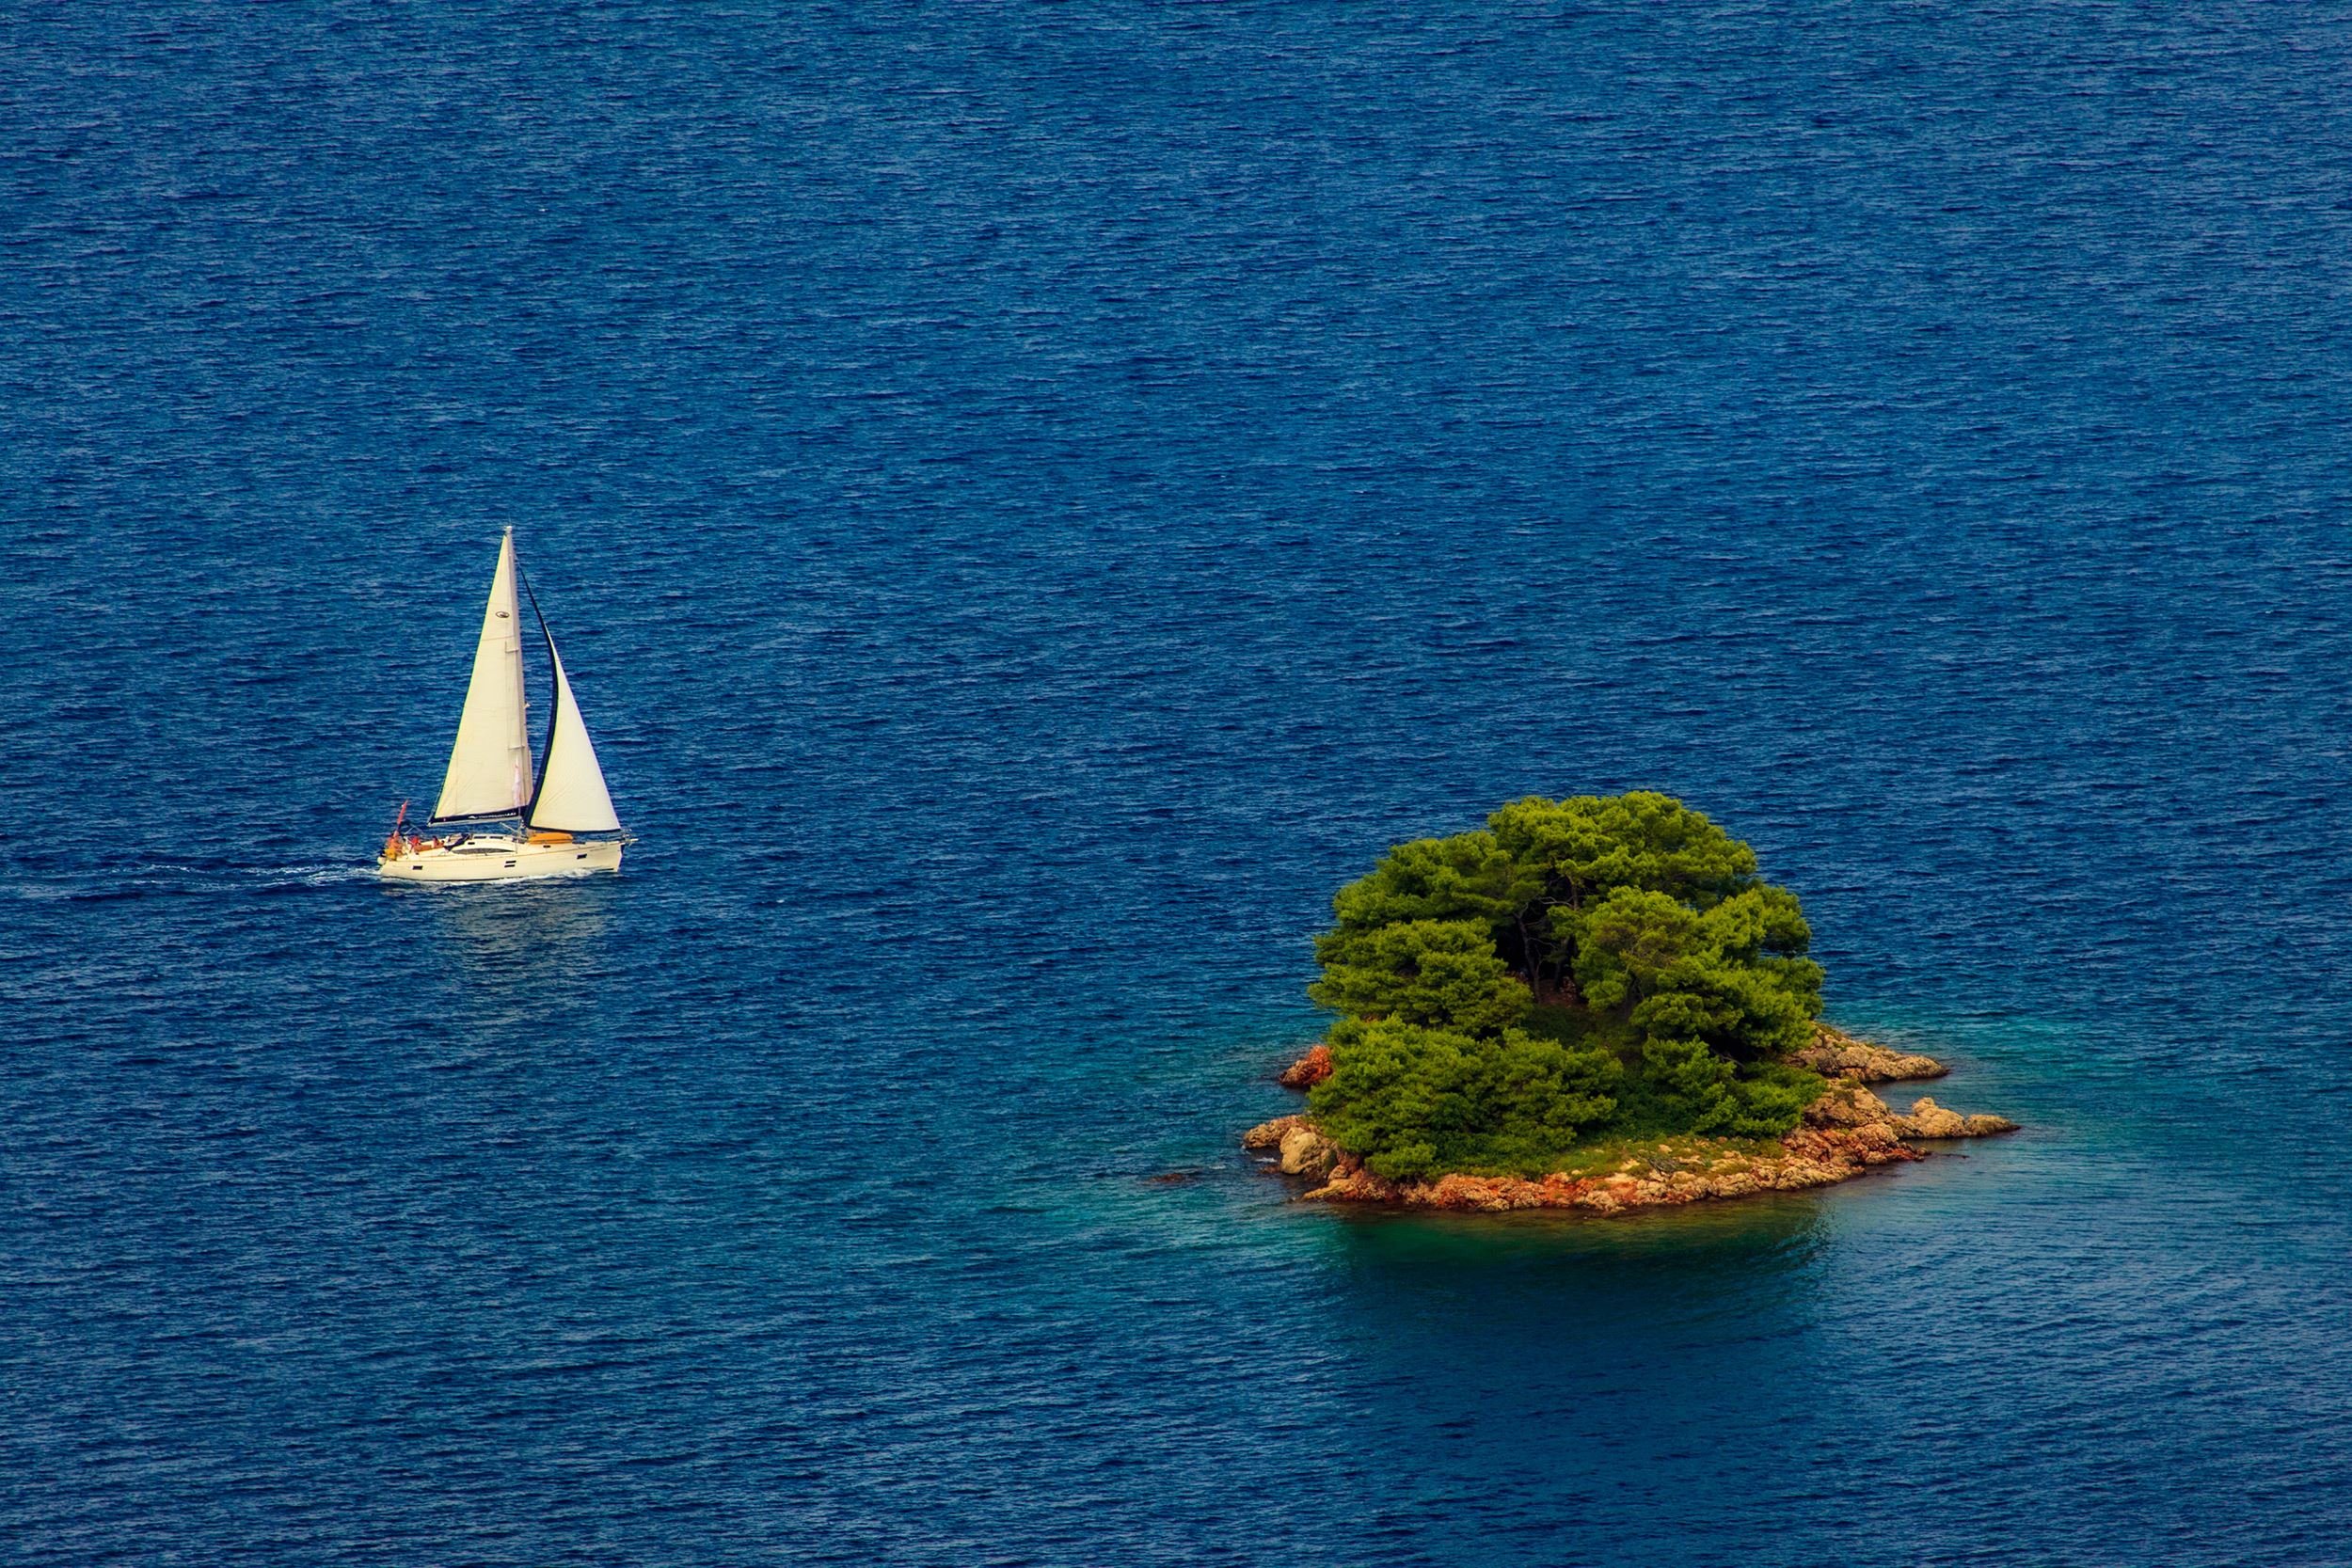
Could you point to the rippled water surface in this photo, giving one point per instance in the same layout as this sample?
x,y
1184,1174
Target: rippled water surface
x,y
1034,499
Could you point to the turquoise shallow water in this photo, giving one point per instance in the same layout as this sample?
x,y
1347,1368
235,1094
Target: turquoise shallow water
x,y
1033,502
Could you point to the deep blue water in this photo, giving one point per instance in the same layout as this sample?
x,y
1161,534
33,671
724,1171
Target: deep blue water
x,y
1034,498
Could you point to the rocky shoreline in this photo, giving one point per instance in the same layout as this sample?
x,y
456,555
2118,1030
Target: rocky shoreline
x,y
1847,1132
1836,1054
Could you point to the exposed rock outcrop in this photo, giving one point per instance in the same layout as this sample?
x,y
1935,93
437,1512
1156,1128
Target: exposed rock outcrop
x,y
1809,1157
1308,1152
1846,1132
1268,1134
1929,1120
1309,1069
1835,1053
1846,1103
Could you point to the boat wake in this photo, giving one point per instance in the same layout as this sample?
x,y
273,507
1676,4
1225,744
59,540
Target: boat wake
x,y
180,879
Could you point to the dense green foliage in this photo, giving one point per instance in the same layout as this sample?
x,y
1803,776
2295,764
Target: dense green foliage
x,y
1601,964
1417,1100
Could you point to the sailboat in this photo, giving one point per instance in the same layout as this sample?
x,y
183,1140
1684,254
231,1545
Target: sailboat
x,y
497,819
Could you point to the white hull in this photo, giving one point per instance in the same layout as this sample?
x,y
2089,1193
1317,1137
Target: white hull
x,y
501,860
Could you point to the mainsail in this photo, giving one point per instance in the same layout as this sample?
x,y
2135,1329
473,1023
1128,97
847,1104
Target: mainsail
x,y
572,797
489,767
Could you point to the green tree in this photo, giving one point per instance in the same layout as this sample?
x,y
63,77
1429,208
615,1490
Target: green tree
x,y
1413,1103
1730,977
1576,852
1440,973
1467,876
1513,989
1626,943
1704,1093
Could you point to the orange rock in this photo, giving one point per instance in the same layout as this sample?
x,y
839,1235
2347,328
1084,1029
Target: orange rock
x,y
1309,1069
1809,1156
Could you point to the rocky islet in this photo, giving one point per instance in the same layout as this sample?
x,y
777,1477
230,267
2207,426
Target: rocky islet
x,y
1847,1132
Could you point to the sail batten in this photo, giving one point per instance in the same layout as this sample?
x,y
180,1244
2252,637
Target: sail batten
x,y
572,796
489,763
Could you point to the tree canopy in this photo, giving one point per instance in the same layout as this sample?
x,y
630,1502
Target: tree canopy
x,y
1575,967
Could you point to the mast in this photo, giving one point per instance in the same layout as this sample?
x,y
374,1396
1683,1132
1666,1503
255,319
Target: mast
x,y
489,763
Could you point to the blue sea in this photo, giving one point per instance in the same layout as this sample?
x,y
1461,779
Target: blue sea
x,y
1033,498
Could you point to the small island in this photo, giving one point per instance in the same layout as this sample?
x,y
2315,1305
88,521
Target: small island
x,y
1591,1004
